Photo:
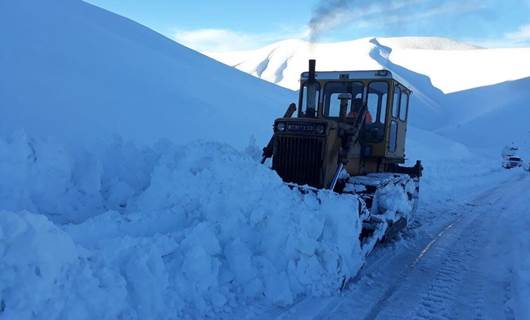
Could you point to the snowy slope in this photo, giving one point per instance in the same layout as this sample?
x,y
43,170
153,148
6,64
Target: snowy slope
x,y
73,70
458,70
283,62
498,115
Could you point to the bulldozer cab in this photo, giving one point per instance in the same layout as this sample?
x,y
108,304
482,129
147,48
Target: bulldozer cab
x,y
342,96
346,120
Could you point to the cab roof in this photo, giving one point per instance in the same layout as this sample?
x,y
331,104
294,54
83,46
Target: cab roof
x,y
355,75
342,75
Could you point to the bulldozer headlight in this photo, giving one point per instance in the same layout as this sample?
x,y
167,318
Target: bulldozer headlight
x,y
320,129
280,127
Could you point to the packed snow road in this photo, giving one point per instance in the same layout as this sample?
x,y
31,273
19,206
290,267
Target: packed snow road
x,y
472,268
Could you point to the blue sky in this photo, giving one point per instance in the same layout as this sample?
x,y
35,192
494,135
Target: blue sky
x,y
239,24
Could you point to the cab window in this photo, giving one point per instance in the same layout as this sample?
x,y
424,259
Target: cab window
x,y
340,98
403,110
309,97
377,100
395,104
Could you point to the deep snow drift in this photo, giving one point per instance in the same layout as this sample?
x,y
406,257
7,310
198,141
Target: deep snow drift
x,y
174,238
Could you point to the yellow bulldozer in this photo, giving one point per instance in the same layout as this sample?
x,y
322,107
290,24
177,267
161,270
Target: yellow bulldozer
x,y
348,135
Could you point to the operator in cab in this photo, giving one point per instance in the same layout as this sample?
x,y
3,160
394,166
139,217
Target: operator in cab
x,y
356,107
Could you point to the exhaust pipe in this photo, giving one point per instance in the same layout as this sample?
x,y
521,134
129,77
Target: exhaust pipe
x,y
312,64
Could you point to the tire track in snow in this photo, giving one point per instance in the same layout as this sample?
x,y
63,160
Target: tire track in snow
x,y
439,301
455,280
509,314
381,303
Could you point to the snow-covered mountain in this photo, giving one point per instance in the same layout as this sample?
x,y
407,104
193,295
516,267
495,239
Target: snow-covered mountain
x,y
451,65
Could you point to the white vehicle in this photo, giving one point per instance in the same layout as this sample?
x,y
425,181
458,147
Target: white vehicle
x,y
512,162
510,159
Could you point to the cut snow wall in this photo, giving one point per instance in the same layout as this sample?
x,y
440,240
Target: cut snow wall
x,y
162,231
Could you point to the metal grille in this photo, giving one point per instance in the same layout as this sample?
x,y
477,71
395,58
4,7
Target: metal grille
x,y
298,159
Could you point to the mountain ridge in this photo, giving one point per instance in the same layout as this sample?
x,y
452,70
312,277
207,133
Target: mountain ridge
x,y
452,65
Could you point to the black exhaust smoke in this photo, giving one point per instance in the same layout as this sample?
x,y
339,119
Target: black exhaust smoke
x,y
324,15
312,68
330,14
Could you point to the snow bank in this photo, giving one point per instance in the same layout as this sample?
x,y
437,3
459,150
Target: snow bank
x,y
44,275
194,229
70,185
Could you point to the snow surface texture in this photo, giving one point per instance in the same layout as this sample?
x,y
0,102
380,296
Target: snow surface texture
x,y
193,230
